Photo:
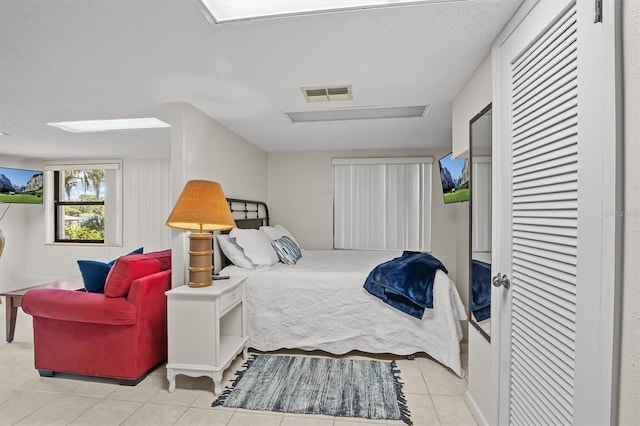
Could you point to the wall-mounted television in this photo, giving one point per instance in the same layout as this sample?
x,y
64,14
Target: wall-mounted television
x,y
20,186
454,176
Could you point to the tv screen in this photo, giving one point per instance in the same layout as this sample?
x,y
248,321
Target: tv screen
x,y
454,175
20,186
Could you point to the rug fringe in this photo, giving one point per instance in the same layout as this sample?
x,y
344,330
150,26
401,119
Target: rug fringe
x,y
402,401
222,398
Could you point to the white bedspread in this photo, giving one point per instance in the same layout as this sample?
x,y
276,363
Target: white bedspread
x,y
320,304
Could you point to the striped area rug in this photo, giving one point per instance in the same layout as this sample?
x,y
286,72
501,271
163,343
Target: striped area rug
x,y
310,385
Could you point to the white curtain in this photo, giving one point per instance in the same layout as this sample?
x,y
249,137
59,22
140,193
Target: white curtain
x,y
382,203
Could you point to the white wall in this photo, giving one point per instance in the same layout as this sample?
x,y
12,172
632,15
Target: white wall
x,y
147,203
300,197
15,227
474,96
201,148
478,395
629,408
28,260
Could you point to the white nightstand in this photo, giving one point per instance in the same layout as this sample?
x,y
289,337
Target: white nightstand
x,y
206,329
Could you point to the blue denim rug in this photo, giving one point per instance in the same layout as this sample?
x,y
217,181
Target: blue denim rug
x,y
309,385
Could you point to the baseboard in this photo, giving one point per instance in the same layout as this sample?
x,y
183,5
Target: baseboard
x,y
475,411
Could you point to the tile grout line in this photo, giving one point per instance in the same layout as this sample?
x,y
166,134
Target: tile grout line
x,y
16,359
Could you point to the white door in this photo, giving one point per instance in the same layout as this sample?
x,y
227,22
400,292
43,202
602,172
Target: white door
x,y
555,224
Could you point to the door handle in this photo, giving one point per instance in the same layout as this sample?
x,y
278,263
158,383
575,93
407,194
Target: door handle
x,y
501,280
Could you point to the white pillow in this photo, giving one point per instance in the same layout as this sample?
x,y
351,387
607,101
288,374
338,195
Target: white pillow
x,y
234,252
256,246
277,232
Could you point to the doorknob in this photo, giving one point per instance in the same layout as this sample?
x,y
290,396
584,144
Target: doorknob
x,y
501,280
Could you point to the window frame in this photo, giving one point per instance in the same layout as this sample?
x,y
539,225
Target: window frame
x,y
61,203
112,202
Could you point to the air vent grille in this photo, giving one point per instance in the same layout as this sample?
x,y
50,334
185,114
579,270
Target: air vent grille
x,y
316,92
338,91
327,93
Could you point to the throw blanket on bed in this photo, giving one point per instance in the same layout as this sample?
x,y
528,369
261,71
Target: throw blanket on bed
x,y
406,282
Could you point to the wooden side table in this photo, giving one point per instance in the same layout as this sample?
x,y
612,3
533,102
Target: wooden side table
x,y
13,299
206,329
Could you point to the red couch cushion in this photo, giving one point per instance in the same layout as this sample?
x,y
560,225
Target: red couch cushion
x,y
66,305
131,267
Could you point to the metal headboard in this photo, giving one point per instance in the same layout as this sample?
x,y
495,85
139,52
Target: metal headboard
x,y
247,214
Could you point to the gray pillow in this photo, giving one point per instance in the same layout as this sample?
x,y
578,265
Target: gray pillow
x,y
288,252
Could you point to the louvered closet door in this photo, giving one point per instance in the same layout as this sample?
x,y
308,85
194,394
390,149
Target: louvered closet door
x,y
550,134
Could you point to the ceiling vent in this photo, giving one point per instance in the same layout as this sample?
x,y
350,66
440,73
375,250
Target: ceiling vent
x,y
327,93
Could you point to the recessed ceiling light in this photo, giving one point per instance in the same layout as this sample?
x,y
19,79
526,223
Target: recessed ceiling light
x,y
372,113
218,11
87,126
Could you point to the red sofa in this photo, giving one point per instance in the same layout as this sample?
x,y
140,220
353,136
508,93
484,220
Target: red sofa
x,y
121,334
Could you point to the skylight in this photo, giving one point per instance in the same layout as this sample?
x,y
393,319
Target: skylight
x,y
238,10
87,126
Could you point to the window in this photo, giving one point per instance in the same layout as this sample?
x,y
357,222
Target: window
x,y
83,203
382,203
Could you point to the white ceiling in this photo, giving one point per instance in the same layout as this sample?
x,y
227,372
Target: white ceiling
x,y
65,60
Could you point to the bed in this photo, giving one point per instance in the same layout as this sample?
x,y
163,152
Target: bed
x,y
320,304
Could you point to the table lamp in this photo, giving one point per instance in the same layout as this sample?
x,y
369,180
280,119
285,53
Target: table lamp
x,y
201,207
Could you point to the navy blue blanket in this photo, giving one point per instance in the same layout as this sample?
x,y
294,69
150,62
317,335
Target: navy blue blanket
x,y
406,282
480,289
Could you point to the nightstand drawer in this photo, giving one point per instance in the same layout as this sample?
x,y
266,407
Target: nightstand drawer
x,y
231,298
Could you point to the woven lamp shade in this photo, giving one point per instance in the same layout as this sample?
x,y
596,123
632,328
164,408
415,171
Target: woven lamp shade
x,y
202,206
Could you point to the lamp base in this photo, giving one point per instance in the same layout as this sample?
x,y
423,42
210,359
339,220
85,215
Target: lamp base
x,y
199,285
200,265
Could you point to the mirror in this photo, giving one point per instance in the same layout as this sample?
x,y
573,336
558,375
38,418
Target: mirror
x,y
480,222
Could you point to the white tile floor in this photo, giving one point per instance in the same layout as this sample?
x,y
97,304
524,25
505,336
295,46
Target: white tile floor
x,y
435,396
